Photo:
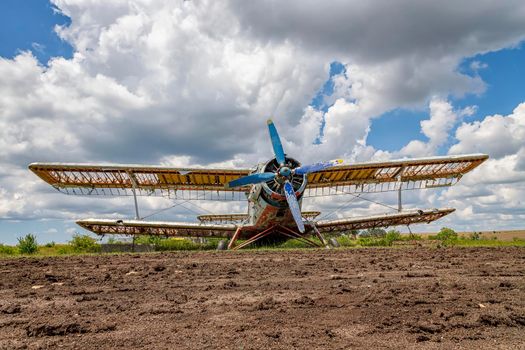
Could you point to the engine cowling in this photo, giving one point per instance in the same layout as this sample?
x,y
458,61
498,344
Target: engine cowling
x,y
272,191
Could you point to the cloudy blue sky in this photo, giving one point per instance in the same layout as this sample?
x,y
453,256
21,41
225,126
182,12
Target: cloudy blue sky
x,y
188,83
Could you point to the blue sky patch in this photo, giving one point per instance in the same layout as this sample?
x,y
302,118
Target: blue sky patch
x,y
29,25
504,73
394,129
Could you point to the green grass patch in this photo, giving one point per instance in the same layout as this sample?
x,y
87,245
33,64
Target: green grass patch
x,y
184,244
6,250
80,245
487,243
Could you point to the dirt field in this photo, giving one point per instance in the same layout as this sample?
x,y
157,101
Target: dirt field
x,y
304,299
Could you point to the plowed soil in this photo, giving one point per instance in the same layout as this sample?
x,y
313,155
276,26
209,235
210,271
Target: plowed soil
x,y
306,299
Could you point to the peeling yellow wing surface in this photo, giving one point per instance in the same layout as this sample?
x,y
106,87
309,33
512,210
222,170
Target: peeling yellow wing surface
x,y
404,218
391,175
115,180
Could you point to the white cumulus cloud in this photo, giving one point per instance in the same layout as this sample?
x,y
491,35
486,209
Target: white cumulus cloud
x,y
192,83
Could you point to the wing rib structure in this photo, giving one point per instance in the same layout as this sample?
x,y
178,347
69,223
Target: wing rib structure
x,y
406,174
408,217
157,228
184,229
121,180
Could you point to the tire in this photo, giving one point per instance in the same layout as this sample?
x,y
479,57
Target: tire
x,y
333,242
223,245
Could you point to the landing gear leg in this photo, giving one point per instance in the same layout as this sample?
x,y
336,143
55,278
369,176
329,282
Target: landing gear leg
x,y
319,235
234,237
255,238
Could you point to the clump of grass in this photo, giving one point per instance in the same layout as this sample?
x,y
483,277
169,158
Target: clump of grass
x,y
346,241
175,244
64,249
295,243
167,244
412,237
7,250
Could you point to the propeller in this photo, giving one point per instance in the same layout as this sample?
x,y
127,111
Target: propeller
x,y
283,175
276,143
305,169
251,179
294,205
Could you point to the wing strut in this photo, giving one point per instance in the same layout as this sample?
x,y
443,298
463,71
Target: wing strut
x,y
235,236
318,234
134,190
399,202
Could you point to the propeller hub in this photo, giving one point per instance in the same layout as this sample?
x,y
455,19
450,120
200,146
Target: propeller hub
x,y
285,171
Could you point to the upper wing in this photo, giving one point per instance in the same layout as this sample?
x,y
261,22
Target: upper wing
x,y
403,218
157,228
388,176
88,179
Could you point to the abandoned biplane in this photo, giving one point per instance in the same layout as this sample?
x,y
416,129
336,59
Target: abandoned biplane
x,y
274,191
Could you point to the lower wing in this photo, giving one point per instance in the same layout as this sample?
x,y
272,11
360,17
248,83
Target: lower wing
x,y
157,228
403,218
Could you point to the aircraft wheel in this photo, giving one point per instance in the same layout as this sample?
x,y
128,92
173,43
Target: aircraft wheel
x,y
334,243
223,245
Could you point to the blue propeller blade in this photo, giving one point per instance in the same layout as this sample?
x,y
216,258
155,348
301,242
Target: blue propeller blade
x,y
276,143
294,205
250,179
305,169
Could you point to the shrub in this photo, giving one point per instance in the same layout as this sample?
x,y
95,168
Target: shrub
x,y
50,244
447,234
84,244
392,235
475,236
27,244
